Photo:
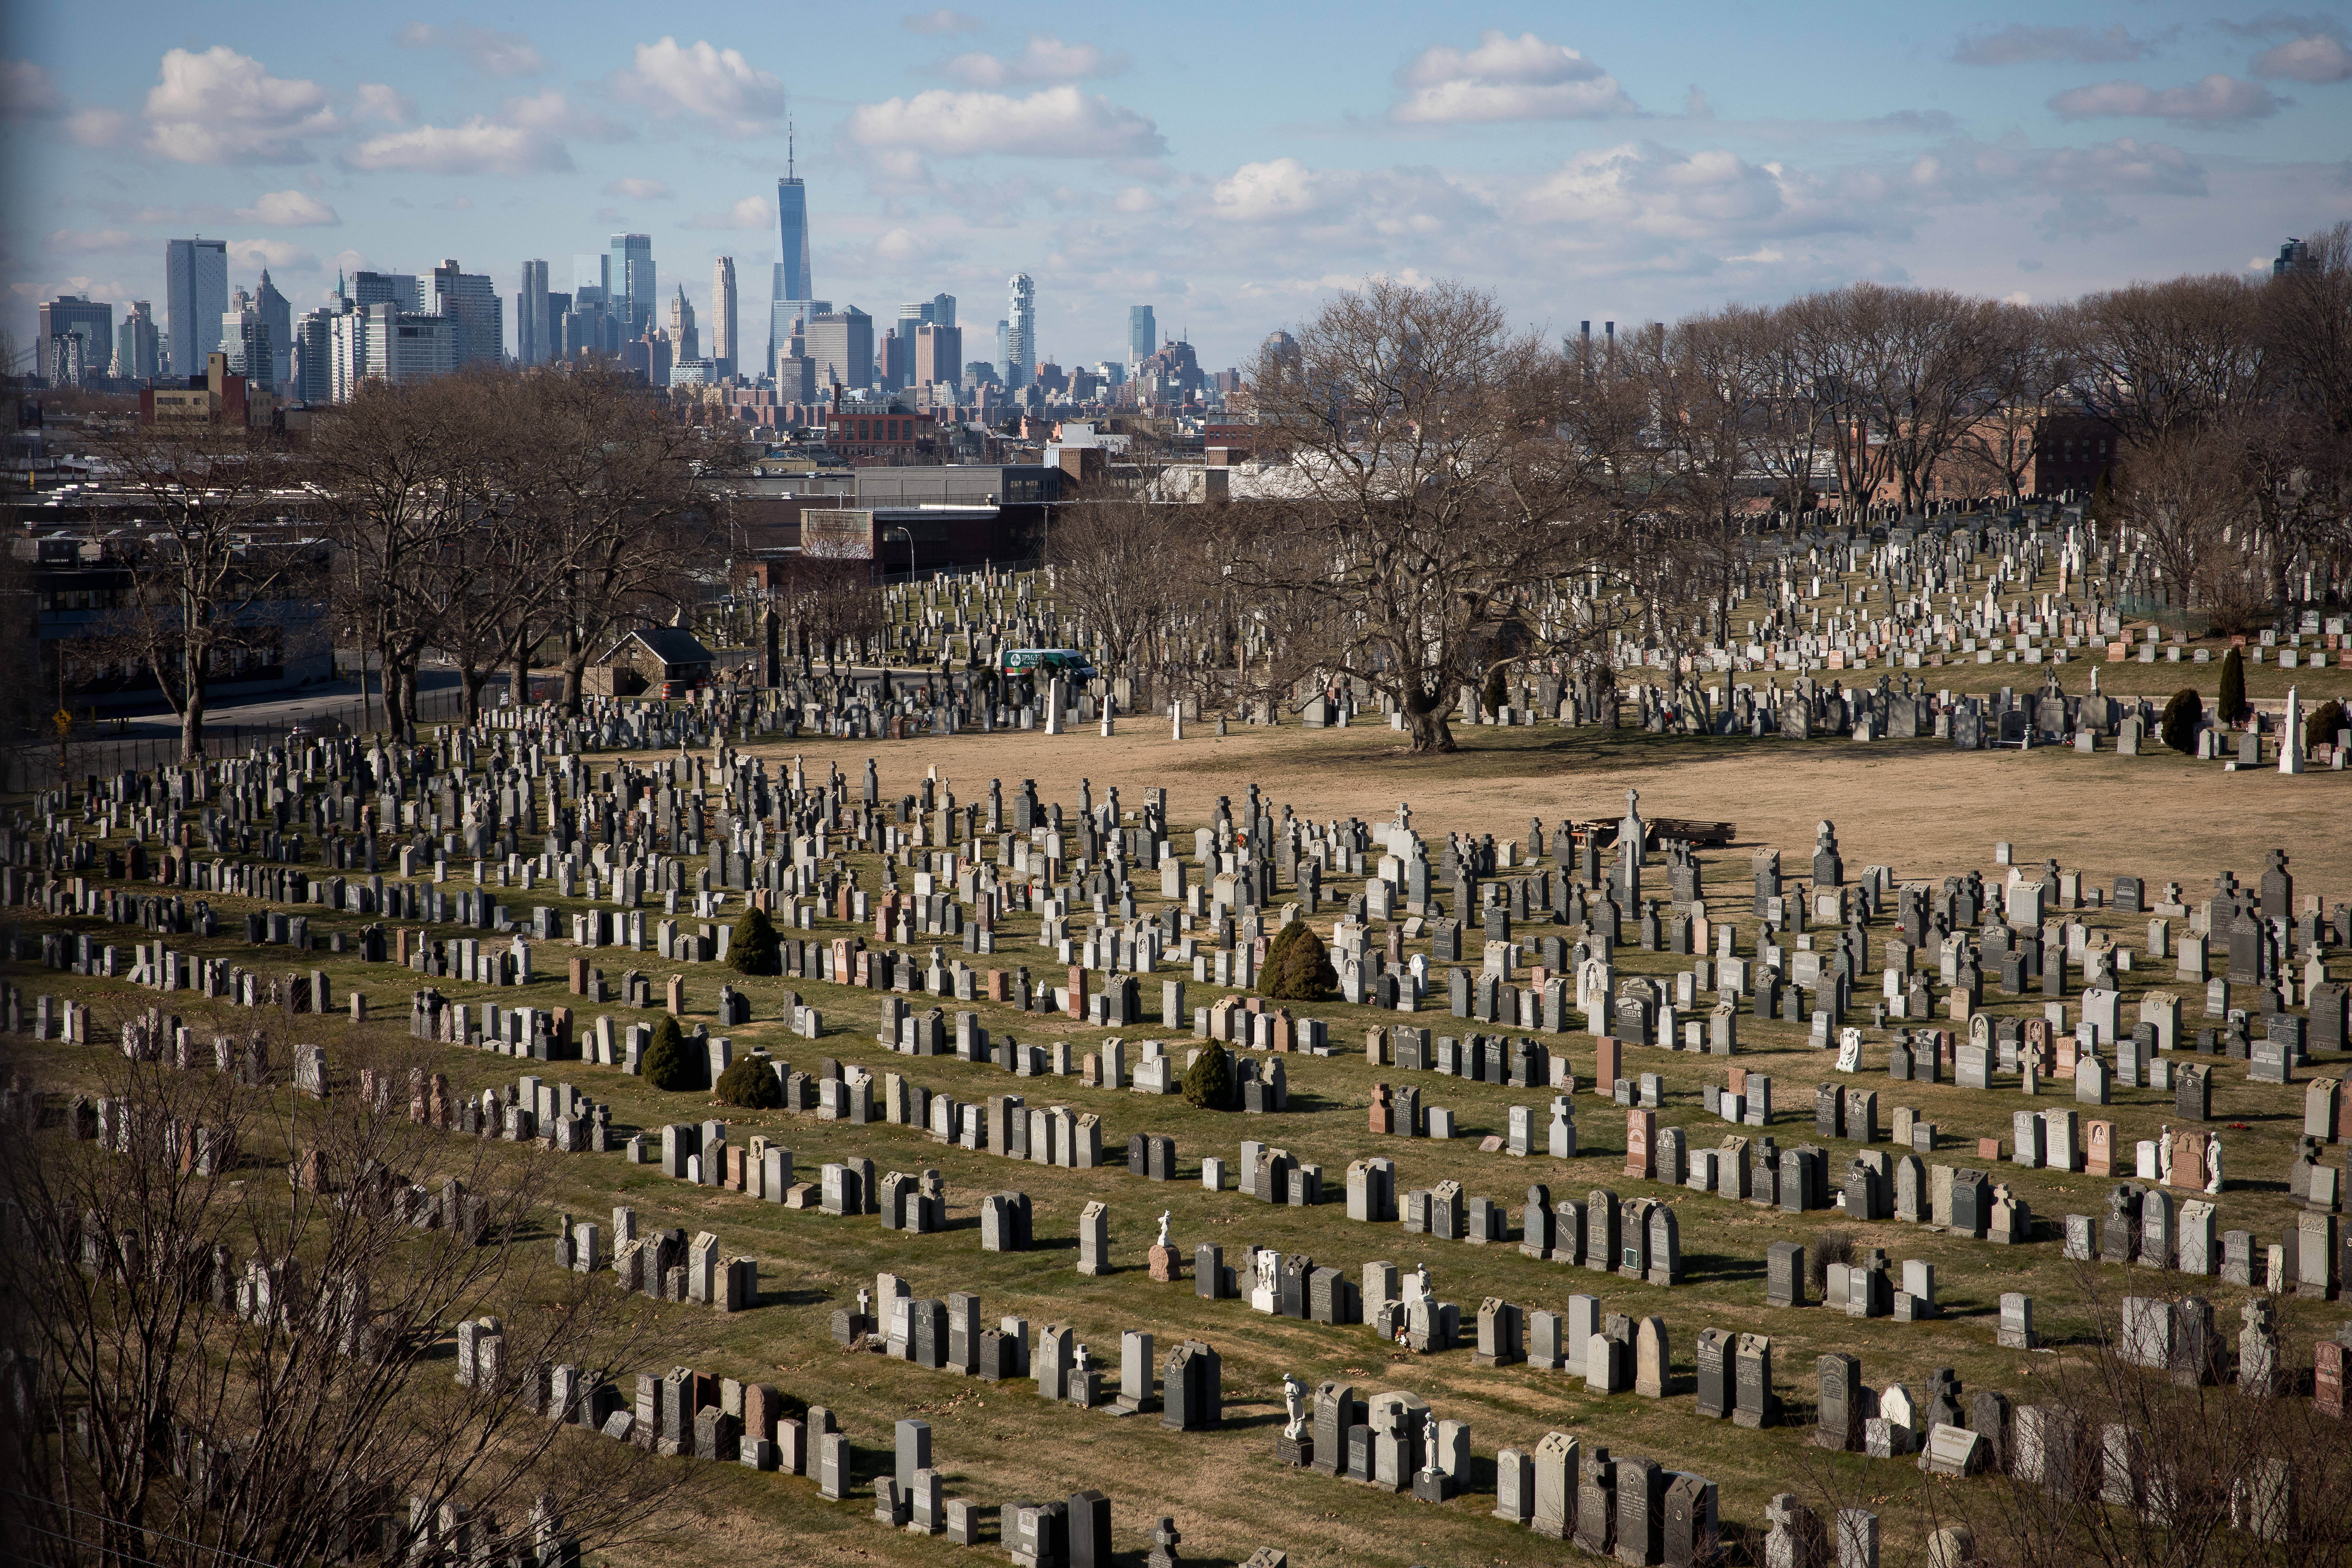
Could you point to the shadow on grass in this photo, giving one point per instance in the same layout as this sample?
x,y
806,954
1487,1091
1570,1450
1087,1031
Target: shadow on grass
x,y
1712,1266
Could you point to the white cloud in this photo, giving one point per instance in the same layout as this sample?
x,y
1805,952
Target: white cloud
x,y
907,247
2316,57
751,212
479,146
639,189
222,107
2216,101
1046,60
1281,188
525,137
551,111
492,53
1058,123
1505,79
1136,199
377,101
713,84
288,209
272,253
98,127
2021,42
28,92
942,21
1664,193
75,240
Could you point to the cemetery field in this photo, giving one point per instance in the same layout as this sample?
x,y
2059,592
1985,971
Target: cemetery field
x,y
1923,805
1915,806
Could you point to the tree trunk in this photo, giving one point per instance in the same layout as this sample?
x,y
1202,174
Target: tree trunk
x,y
575,668
192,727
192,710
1433,734
395,713
470,684
518,688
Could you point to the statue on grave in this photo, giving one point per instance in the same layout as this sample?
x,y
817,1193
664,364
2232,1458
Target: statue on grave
x,y
1429,1443
2212,1167
2164,1154
1163,1229
1294,1398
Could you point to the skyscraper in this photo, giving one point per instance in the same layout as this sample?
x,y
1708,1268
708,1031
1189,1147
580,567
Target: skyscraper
x,y
136,346
314,380
385,289
592,280
632,282
472,301
278,315
1021,333
943,309
244,338
841,342
792,288
91,326
531,345
1142,334
722,314
684,341
195,293
938,354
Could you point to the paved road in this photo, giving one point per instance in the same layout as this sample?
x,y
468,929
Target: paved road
x,y
325,701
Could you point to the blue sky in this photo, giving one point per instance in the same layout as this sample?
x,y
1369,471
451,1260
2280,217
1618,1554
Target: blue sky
x,y
1227,164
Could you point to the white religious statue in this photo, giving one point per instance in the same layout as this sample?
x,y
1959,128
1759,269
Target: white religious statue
x,y
1429,1443
2164,1154
2213,1167
1294,1396
1163,1229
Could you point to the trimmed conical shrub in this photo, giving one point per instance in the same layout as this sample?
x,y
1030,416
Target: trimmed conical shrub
x,y
669,1064
2182,717
751,1084
2230,707
1297,965
1209,1081
752,950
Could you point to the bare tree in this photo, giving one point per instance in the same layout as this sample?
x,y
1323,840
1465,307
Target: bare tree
x,y
2182,493
213,563
1428,498
2171,1464
1125,564
619,494
831,598
2153,357
233,1304
2028,369
398,471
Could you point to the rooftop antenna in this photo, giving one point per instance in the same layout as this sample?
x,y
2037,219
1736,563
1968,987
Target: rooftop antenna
x,y
788,146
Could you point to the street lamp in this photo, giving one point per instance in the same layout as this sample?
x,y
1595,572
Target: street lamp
x,y
911,552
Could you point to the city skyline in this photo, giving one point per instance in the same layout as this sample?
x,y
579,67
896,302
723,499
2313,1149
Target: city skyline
x,y
1581,166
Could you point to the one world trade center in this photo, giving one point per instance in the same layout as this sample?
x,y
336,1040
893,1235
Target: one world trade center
x,y
792,299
